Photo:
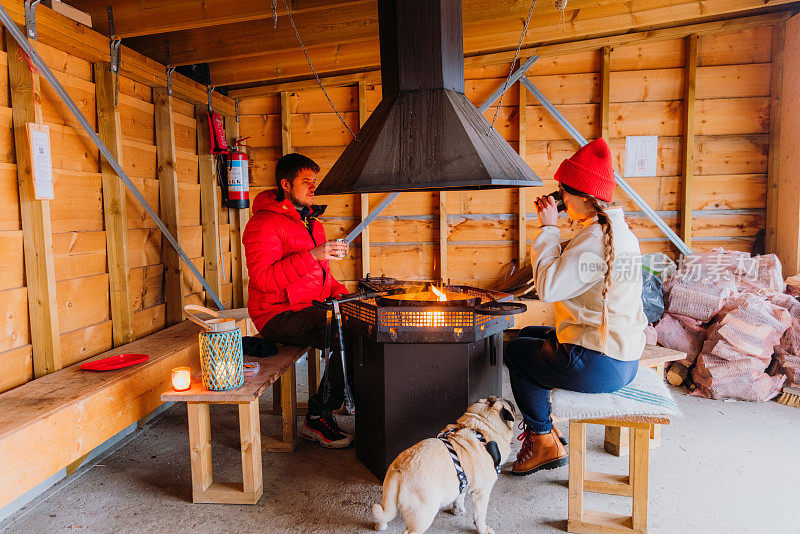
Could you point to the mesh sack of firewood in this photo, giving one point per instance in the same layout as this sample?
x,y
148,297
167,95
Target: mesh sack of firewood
x,y
764,273
756,309
757,340
788,364
738,350
718,378
719,267
787,353
682,333
650,335
697,299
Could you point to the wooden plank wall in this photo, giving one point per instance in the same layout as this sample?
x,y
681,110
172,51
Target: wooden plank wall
x,y
82,283
645,98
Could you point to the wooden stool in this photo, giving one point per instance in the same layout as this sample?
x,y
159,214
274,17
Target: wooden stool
x,y
635,485
616,437
204,488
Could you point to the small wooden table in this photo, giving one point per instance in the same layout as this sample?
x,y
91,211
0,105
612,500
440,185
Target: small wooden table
x,y
197,398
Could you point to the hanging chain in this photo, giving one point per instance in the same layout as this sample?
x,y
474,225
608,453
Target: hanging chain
x,y
274,14
513,64
311,65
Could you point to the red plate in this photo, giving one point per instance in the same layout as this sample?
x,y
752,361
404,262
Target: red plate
x,y
115,362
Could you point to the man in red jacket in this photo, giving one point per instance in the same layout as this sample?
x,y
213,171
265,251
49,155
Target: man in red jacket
x,y
288,261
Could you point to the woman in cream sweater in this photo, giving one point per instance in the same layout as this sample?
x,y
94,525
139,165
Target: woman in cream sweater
x,y
595,284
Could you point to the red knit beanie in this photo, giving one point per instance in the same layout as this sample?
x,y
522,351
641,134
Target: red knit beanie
x,y
589,171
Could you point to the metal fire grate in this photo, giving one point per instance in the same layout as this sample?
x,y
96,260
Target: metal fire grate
x,y
422,324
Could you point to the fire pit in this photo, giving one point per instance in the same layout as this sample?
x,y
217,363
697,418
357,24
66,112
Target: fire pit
x,y
423,353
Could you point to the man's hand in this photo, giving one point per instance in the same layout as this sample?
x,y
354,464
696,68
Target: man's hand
x,y
547,210
330,250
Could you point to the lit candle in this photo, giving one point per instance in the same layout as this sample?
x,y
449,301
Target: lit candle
x,y
181,378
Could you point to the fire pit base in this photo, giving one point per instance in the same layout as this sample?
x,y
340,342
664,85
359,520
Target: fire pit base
x,y
406,392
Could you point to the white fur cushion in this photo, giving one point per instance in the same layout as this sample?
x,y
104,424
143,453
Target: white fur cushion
x,y
646,395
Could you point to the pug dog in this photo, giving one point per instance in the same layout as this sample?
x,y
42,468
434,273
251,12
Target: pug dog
x,y
423,479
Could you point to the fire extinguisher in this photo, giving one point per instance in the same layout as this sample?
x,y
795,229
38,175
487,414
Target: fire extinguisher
x,y
238,177
232,163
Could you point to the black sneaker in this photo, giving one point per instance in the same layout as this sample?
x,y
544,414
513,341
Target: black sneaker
x,y
326,431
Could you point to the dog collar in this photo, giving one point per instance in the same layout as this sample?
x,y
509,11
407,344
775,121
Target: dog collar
x,y
491,448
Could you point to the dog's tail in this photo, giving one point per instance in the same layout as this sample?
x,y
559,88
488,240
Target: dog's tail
x,y
388,510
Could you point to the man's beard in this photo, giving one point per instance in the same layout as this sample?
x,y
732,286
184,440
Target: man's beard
x,y
297,202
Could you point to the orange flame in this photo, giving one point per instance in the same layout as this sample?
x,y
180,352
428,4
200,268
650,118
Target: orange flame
x,y
439,293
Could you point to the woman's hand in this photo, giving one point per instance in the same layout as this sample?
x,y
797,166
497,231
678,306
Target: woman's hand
x,y
547,210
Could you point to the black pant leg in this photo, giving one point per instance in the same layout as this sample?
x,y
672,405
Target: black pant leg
x,y
307,327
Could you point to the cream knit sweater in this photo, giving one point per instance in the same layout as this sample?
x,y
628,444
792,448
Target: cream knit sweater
x,y
572,279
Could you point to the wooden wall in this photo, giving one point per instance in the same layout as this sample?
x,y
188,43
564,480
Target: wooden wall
x,y
77,219
646,97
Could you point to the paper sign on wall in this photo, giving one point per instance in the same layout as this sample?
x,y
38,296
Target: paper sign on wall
x,y
641,155
41,161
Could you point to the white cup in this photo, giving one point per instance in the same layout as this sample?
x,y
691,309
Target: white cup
x,y
344,255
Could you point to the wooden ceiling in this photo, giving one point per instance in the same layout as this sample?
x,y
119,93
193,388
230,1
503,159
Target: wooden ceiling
x,y
238,40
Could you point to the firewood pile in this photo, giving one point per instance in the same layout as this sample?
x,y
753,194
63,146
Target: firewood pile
x,y
737,321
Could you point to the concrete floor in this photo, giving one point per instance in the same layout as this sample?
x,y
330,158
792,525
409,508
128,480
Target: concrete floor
x,y
725,467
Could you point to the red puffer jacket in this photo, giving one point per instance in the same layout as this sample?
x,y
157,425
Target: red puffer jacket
x,y
283,275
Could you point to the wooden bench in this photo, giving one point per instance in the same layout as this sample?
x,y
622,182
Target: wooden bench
x,y
617,437
198,399
634,485
60,418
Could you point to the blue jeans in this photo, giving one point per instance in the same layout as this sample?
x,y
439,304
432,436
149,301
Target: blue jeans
x,y
537,363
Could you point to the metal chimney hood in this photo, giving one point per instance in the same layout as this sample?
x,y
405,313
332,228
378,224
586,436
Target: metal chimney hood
x,y
425,134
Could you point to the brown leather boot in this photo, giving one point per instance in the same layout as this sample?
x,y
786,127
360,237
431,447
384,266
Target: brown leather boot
x,y
540,452
560,436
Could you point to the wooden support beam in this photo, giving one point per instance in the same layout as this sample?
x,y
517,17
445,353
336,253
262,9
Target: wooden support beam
x,y
605,85
109,127
286,123
788,236
37,237
353,30
363,113
168,200
238,220
134,17
244,39
774,160
343,64
54,29
209,205
522,220
688,138
444,229
369,77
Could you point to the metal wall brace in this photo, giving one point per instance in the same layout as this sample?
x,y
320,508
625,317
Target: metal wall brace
x,y
500,91
170,68
48,75
30,18
210,90
115,45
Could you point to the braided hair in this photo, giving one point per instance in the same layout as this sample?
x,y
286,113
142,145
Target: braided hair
x,y
608,249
